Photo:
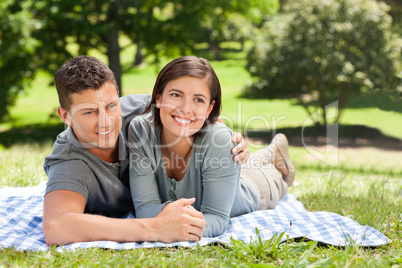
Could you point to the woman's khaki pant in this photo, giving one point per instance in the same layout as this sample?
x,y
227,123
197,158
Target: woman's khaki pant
x,y
261,173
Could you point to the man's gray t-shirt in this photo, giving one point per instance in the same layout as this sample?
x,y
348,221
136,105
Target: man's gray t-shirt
x,y
105,186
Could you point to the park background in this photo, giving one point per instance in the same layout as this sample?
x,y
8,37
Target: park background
x,y
268,56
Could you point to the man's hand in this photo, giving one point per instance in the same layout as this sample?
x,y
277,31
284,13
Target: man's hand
x,y
179,221
240,150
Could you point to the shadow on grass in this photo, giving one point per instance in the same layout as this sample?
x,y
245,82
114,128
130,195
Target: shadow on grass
x,y
348,136
383,101
37,133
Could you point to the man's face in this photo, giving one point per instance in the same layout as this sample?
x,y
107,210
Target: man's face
x,y
95,117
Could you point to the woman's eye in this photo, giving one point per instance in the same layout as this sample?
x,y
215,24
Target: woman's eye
x,y
88,113
176,95
199,100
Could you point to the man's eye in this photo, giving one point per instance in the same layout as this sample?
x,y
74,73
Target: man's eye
x,y
112,107
89,112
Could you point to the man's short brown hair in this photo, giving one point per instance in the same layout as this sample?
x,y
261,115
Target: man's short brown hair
x,y
80,74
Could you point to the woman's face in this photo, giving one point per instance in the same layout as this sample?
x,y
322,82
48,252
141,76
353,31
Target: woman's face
x,y
184,106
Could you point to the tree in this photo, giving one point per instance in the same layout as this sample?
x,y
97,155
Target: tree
x,y
161,27
215,22
395,12
17,68
64,29
88,24
181,24
323,51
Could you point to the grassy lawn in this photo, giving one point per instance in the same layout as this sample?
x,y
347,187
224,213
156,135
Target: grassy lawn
x,y
369,199
364,183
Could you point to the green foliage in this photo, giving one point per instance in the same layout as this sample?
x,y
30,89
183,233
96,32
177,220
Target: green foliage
x,y
321,51
51,32
161,27
258,248
396,13
17,68
88,25
180,24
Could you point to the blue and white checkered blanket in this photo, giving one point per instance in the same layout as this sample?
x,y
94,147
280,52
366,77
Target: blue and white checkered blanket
x,y
21,225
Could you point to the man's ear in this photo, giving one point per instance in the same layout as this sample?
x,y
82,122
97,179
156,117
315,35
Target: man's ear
x,y
64,115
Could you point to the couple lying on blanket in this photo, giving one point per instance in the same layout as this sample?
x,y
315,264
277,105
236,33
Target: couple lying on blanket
x,y
164,157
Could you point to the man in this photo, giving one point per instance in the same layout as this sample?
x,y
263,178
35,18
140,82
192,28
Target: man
x,y
88,167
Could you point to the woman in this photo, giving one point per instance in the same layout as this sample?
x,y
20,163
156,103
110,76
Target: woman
x,y
178,151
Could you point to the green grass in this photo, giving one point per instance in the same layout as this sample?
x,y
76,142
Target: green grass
x,y
35,105
369,199
22,164
363,183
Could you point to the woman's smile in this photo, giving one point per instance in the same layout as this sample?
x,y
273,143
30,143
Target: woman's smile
x,y
182,121
184,106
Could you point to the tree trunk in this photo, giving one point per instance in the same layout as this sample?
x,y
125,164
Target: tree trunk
x,y
323,104
215,48
113,54
281,5
139,57
342,100
242,41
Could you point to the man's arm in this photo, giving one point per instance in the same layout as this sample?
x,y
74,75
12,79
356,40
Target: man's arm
x,y
64,222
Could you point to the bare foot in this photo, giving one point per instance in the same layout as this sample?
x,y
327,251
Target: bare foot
x,y
279,161
282,159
